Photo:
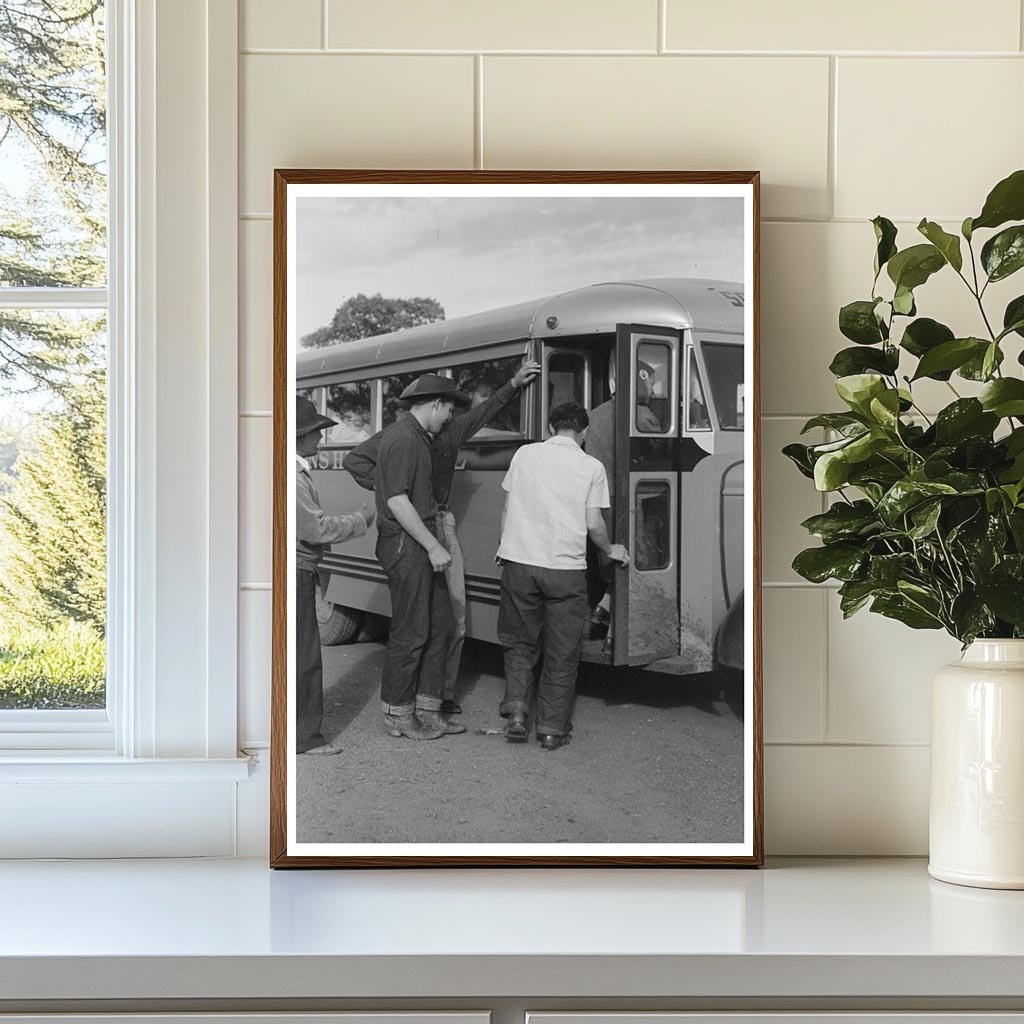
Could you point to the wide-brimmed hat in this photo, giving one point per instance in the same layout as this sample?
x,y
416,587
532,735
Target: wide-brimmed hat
x,y
433,385
307,419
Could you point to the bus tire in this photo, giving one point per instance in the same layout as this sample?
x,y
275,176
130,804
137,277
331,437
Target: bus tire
x,y
338,624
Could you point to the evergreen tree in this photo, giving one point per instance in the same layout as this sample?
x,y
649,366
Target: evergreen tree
x,y
53,234
53,519
52,125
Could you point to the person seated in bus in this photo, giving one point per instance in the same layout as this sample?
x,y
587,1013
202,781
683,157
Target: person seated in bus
x,y
600,444
555,494
315,531
444,451
482,393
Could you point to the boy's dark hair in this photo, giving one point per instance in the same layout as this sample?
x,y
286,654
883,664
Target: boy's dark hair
x,y
569,416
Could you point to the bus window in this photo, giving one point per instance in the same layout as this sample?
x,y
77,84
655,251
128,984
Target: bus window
x,y
652,542
567,379
315,395
725,375
696,404
391,388
480,381
349,404
651,396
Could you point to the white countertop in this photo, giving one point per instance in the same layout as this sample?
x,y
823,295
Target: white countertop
x,y
235,929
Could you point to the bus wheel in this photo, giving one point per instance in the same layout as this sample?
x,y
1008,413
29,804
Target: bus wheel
x,y
338,624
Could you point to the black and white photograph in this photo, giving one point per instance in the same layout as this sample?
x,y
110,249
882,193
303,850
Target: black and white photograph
x,y
515,556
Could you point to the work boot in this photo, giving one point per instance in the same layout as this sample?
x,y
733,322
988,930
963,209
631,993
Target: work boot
x,y
409,725
439,720
515,731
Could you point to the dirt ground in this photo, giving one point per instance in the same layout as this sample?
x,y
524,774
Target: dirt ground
x,y
652,759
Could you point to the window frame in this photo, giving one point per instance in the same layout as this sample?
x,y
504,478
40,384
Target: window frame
x,y
93,730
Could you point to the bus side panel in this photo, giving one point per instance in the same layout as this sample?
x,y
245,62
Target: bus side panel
x,y
698,589
357,580
477,500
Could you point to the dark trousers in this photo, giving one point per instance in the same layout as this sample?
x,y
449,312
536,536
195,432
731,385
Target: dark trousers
x,y
555,601
422,626
309,673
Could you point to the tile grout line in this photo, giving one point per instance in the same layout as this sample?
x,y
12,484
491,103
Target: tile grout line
x,y
662,27
323,25
478,111
1020,23
831,171
259,51
851,744
825,651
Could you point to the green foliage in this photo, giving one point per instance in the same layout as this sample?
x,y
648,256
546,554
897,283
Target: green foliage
x,y
61,667
366,316
52,469
52,126
927,521
53,521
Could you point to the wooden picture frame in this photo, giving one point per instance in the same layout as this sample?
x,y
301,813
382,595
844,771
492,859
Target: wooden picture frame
x,y
702,358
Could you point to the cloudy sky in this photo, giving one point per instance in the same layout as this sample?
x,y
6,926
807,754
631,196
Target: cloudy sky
x,y
474,254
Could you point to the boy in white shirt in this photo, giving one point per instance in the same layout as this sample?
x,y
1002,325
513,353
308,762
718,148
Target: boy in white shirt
x,y
555,496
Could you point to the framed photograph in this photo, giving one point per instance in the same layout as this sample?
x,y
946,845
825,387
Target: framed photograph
x,y
516,609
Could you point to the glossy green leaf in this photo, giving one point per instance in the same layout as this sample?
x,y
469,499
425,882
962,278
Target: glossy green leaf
x,y
831,471
1013,317
842,521
949,356
966,417
854,594
1003,254
857,322
924,334
886,570
840,561
850,361
885,237
971,616
1004,397
990,360
885,409
1005,597
974,368
966,229
947,244
907,494
799,455
903,302
858,389
925,518
1005,202
841,421
911,267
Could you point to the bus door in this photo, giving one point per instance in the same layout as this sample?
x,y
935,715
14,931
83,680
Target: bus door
x,y
645,618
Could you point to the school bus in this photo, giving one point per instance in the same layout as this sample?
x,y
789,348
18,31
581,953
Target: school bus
x,y
675,348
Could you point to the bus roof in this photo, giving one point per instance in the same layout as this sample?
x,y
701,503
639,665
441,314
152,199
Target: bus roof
x,y
596,309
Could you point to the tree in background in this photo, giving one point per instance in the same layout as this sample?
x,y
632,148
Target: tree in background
x,y
52,540
365,316
52,234
52,381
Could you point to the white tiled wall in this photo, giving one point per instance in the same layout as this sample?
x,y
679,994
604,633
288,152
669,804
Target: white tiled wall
x,y
909,110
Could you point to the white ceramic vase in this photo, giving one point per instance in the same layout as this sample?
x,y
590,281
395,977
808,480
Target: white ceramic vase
x,y
976,812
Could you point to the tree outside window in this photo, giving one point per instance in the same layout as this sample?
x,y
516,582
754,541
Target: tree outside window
x,y
53,403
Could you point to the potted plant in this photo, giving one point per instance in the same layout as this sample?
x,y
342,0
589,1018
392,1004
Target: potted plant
x,y
926,521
